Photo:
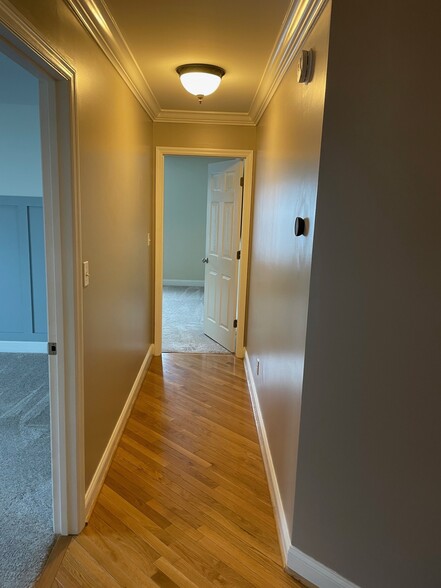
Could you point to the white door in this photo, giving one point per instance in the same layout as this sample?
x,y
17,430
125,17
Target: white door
x,y
224,208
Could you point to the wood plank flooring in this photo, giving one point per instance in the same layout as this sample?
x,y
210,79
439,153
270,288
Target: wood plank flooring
x,y
185,503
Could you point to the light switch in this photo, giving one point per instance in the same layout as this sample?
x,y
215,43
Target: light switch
x,y
86,275
149,239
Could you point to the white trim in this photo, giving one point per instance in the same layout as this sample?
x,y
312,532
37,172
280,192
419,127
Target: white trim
x,y
248,159
299,20
281,523
103,467
97,19
314,572
22,35
205,117
188,283
294,560
23,43
64,296
23,347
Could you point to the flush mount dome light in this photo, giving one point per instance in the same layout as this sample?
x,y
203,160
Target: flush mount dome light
x,y
200,79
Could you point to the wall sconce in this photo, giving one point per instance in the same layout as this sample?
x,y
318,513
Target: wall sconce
x,y
200,79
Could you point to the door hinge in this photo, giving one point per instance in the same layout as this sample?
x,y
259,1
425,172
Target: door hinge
x,y
235,324
52,348
241,182
238,255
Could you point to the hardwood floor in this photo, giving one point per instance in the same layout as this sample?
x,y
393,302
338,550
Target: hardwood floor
x,y
185,502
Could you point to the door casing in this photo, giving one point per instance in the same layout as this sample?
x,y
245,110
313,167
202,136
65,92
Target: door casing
x,y
247,156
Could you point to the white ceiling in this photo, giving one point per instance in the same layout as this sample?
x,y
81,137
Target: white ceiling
x,y
253,40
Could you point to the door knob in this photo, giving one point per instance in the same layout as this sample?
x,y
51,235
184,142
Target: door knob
x,y
205,260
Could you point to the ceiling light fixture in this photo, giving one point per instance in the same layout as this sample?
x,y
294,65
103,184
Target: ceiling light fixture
x,y
200,79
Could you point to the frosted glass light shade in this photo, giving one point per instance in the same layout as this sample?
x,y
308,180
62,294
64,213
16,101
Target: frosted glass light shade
x,y
200,84
200,79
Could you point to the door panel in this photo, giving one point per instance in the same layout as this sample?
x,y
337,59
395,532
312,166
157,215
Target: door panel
x,y
223,240
225,311
228,236
210,296
214,224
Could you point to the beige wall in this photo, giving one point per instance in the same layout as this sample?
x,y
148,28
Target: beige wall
x,y
115,146
206,136
288,148
369,476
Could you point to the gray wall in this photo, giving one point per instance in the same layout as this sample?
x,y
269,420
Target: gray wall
x,y
23,314
22,260
185,216
185,211
288,151
20,149
369,477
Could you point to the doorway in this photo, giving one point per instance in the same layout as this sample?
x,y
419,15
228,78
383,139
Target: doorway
x,y
184,294
25,450
21,43
165,155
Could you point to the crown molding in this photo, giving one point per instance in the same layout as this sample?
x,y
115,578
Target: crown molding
x,y
205,117
299,20
17,26
96,18
98,21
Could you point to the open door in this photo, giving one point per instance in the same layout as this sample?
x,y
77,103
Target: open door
x,y
61,237
223,242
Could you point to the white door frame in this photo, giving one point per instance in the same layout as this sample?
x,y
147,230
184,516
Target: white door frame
x,y
22,42
247,156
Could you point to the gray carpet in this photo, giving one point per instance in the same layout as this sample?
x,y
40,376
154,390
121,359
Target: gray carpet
x,y
26,534
183,322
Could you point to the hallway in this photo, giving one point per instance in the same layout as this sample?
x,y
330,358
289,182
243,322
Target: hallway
x,y
186,501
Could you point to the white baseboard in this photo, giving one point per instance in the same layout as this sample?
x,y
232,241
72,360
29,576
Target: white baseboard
x,y
23,347
297,562
184,283
103,467
315,572
282,526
